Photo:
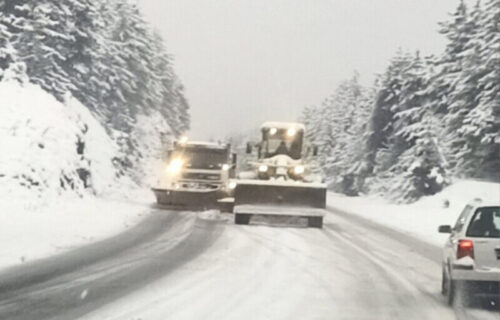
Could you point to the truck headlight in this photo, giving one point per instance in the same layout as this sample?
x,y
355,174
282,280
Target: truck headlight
x,y
183,140
175,166
291,132
231,185
225,167
263,168
298,170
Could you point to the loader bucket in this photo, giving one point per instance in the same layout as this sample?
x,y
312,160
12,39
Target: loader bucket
x,y
278,199
262,192
187,199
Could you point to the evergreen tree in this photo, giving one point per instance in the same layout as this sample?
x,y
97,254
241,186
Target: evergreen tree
x,y
105,55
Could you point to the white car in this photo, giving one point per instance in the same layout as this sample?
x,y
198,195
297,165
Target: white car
x,y
471,255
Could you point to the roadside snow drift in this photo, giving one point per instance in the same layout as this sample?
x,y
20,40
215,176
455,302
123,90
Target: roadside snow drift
x,y
49,147
423,217
56,164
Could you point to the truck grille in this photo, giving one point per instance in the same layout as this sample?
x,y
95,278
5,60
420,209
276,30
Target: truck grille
x,y
201,176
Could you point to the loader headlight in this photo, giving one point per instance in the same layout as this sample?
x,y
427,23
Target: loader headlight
x,y
225,167
273,131
291,132
231,185
175,166
298,170
263,168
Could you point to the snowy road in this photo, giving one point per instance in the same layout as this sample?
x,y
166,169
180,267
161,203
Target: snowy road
x,y
203,268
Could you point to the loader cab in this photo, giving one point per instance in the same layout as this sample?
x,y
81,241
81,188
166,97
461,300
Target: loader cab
x,y
281,138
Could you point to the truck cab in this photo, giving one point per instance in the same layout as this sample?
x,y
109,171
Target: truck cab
x,y
201,165
196,175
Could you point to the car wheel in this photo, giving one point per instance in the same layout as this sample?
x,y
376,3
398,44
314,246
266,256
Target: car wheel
x,y
443,282
449,289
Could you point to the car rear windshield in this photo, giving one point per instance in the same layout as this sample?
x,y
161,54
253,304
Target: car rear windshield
x,y
485,223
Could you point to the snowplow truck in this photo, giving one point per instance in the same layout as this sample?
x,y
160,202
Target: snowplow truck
x,y
196,175
281,181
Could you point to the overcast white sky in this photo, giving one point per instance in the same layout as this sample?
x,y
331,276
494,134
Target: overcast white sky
x,y
247,61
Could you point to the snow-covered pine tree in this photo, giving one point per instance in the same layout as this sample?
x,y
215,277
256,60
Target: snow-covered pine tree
x,y
461,96
336,127
8,54
42,42
378,157
479,154
105,54
420,167
343,112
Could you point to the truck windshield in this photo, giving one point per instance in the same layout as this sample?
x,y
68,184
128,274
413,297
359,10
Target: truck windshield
x,y
485,223
203,158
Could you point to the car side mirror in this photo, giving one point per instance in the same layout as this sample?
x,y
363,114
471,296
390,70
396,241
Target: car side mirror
x,y
315,151
234,158
444,229
249,148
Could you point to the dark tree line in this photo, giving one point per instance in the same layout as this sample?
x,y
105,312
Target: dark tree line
x,y
425,121
103,53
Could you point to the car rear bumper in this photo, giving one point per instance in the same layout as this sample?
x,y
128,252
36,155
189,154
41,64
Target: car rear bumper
x,y
482,289
475,275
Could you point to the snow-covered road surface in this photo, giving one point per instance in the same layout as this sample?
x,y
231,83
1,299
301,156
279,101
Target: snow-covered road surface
x,y
206,268
75,283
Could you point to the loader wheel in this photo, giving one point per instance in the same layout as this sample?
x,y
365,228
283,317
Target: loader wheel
x,y
315,222
242,218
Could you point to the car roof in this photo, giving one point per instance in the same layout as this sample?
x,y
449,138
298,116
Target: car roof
x,y
478,202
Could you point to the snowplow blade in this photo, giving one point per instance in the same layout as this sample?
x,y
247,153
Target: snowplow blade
x,y
191,199
275,198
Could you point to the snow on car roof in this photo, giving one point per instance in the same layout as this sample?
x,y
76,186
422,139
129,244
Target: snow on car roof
x,y
282,125
478,202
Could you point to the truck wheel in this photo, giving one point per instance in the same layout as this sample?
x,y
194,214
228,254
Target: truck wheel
x,y
315,222
242,218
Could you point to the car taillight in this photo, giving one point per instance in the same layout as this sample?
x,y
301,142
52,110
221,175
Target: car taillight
x,y
465,249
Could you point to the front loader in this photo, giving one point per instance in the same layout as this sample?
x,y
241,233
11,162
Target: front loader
x,y
281,182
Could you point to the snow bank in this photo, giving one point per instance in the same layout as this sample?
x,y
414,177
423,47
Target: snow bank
x,y
49,147
68,222
58,183
422,218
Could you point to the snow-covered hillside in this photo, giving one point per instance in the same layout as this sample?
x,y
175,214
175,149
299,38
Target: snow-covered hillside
x,y
422,218
57,176
51,147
